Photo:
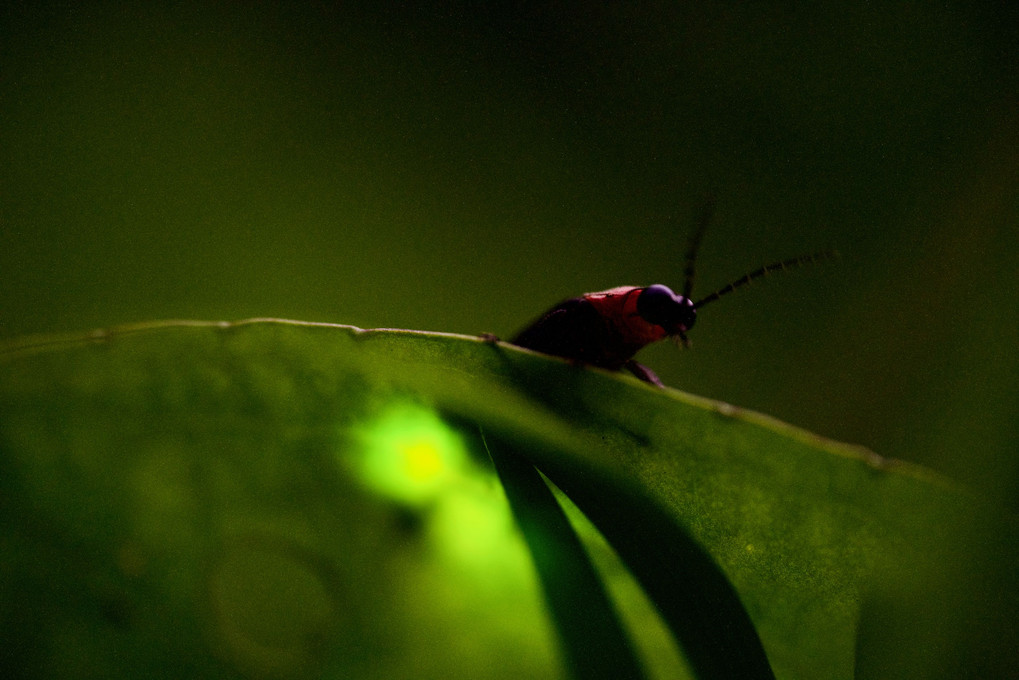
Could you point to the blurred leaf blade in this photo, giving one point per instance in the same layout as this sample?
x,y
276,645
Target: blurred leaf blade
x,y
594,641
694,597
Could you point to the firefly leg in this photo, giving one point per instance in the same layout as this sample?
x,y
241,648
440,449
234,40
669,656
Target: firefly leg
x,y
643,372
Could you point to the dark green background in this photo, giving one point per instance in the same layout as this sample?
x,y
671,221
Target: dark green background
x,y
461,170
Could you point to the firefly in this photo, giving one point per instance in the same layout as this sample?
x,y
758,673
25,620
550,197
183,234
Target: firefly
x,y
607,328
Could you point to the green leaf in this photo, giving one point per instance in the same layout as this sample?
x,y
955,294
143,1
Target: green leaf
x,y
690,591
594,642
280,499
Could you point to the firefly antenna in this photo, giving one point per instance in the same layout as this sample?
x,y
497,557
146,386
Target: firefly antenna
x,y
783,265
706,217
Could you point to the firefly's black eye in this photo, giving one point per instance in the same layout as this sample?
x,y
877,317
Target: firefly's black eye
x,y
659,305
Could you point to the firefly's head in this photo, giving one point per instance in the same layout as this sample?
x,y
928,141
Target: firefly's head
x,y
659,305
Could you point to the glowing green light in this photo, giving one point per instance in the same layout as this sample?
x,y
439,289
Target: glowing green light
x,y
422,461
410,454
475,527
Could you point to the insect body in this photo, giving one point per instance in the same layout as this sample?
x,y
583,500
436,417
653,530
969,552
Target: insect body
x,y
608,327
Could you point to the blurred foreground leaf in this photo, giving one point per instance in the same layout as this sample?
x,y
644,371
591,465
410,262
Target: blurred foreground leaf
x,y
279,499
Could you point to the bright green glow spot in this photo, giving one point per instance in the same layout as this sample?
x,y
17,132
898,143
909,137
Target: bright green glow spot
x,y
410,454
423,461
